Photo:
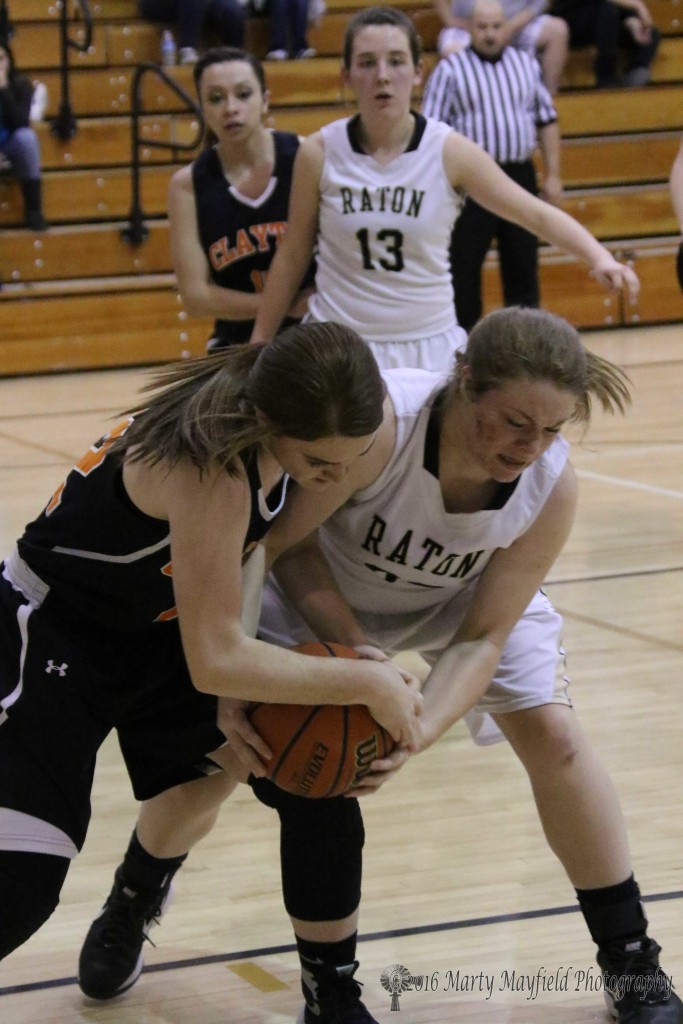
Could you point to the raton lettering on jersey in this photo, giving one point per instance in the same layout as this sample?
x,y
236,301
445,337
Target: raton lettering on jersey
x,y
397,533
385,229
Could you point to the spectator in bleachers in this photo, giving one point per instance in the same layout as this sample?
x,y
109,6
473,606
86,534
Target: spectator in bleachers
x,y
611,25
494,94
18,141
288,27
528,28
190,18
676,185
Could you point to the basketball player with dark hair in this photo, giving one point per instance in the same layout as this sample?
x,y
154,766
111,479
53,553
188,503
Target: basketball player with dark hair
x,y
127,587
228,208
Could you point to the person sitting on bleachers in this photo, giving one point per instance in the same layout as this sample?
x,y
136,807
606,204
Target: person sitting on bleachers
x,y
609,25
288,27
528,27
18,141
190,18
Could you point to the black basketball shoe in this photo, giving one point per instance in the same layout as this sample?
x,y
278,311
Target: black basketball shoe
x,y
333,997
637,990
111,958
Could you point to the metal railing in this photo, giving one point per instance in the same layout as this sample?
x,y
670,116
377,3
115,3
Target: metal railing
x,y
64,124
136,232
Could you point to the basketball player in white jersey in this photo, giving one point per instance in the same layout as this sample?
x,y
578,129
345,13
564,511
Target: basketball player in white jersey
x,y
442,548
376,197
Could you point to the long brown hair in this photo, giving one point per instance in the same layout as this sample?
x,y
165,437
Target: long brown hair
x,y
312,381
518,342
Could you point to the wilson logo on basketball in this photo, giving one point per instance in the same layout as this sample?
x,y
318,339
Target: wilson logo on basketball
x,y
323,750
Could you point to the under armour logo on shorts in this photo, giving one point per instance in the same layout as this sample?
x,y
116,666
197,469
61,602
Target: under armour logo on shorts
x,y
51,667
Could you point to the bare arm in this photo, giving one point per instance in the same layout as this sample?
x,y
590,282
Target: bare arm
x,y
450,20
467,165
295,250
201,296
637,8
520,20
505,588
676,186
549,141
309,585
221,658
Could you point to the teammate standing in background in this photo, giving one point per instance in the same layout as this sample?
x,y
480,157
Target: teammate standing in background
x,y
228,208
376,197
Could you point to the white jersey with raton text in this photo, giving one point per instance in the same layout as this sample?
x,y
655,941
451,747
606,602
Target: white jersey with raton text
x,y
409,569
396,537
384,235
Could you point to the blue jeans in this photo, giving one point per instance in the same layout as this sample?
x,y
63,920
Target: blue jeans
x,y
288,18
22,149
225,17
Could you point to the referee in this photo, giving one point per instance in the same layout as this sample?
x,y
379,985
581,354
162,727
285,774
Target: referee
x,y
495,95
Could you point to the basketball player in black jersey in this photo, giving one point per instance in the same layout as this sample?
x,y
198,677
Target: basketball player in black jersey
x,y
121,606
228,209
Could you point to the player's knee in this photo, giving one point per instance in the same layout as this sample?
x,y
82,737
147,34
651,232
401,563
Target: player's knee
x,y
30,884
321,848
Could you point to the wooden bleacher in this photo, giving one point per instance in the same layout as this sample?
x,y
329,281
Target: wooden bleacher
x,y
80,295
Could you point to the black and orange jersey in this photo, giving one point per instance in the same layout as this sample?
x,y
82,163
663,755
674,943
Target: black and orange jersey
x,y
238,234
98,554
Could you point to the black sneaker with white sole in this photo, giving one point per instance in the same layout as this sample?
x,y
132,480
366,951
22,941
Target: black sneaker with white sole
x,y
111,957
637,990
333,997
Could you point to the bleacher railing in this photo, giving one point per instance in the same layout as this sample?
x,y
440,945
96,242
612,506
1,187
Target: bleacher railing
x,y
64,124
136,231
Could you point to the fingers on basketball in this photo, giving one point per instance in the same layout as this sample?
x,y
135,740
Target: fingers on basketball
x,y
324,750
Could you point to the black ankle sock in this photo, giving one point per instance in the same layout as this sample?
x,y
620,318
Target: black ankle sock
x,y
614,914
142,871
328,954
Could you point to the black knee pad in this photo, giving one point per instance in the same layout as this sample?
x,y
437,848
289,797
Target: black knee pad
x,y
321,852
30,884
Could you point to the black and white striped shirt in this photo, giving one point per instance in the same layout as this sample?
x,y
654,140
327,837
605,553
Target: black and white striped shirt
x,y
499,103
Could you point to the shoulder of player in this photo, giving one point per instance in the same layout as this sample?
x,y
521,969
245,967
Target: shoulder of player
x,y
181,180
166,491
460,152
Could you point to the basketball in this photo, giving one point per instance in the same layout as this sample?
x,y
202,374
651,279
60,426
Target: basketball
x,y
321,750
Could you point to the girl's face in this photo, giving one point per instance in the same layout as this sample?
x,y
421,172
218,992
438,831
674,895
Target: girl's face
x,y
317,464
512,426
231,99
382,74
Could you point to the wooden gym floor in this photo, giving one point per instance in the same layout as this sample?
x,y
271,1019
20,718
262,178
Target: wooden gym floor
x,y
459,886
